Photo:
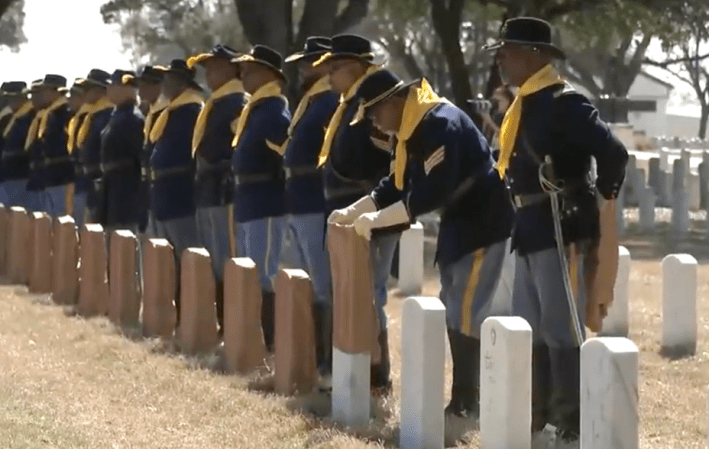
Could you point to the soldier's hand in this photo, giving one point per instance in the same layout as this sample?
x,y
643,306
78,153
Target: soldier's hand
x,y
340,216
364,223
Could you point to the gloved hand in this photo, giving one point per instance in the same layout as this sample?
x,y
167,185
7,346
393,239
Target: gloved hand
x,y
354,210
396,214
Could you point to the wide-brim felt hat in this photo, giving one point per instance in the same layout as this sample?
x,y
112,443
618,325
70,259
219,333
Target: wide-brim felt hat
x,y
179,68
348,46
79,86
264,56
315,47
527,31
13,88
97,78
219,51
36,85
56,82
123,78
150,74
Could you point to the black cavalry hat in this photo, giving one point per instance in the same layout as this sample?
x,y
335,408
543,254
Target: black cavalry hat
x,y
219,51
151,75
377,87
123,78
315,47
179,68
528,31
57,82
348,46
13,88
79,86
265,56
97,78
36,85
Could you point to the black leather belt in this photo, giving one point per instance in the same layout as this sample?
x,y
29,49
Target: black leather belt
x,y
36,165
529,200
117,165
301,170
91,170
250,178
48,161
10,155
205,167
172,171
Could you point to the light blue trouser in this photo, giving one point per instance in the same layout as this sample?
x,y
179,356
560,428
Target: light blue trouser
x,y
213,231
539,296
180,232
468,287
380,257
261,241
79,208
54,200
18,195
306,250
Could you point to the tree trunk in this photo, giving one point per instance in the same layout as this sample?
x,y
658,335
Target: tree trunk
x,y
266,22
5,5
703,120
446,22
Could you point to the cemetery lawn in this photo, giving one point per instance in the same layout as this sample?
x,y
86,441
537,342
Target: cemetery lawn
x,y
67,382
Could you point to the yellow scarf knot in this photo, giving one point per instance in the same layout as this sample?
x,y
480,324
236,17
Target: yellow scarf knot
x,y
337,116
234,86
420,100
58,103
154,110
100,105
25,109
189,96
73,126
544,78
269,90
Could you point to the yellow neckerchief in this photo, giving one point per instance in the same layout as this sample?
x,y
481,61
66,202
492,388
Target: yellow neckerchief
x,y
268,90
25,109
337,116
420,100
320,86
155,109
101,105
234,86
73,125
5,112
544,78
190,96
59,102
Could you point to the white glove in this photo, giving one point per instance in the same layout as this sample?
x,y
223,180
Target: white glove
x,y
396,214
348,214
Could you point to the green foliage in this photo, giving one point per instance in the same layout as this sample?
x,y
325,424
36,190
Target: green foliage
x,y
11,22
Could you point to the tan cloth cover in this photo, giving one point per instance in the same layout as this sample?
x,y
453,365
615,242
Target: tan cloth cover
x,y
19,246
601,270
355,322
124,296
198,316
4,236
41,273
93,277
65,258
160,285
295,362
244,347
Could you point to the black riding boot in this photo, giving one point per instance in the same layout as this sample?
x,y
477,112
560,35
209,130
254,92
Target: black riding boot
x,y
380,380
219,302
268,318
465,391
566,398
541,387
322,314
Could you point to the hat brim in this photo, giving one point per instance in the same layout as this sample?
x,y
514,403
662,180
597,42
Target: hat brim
x,y
248,58
553,50
383,97
367,58
303,56
202,58
92,83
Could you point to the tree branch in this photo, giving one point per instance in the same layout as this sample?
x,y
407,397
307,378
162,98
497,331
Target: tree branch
x,y
669,62
354,12
568,7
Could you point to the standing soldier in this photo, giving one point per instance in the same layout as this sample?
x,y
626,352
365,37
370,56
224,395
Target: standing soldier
x,y
258,171
35,181
547,140
305,201
15,161
152,104
355,158
78,109
171,165
443,163
211,148
121,147
57,166
5,117
88,144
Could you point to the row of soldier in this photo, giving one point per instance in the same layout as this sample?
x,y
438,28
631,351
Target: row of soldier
x,y
362,148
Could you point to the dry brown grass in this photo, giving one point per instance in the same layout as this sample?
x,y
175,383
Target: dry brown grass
x,y
67,382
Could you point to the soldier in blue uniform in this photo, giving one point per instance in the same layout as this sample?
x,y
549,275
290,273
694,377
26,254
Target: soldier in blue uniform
x,y
35,182
443,163
257,164
171,165
547,140
152,104
121,147
212,151
14,95
80,108
15,160
57,168
88,150
354,159
305,200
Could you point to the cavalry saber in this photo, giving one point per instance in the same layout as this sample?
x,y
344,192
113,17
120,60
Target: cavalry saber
x,y
553,192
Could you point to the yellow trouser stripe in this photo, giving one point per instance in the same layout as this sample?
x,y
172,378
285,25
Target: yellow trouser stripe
x,y
573,260
466,319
